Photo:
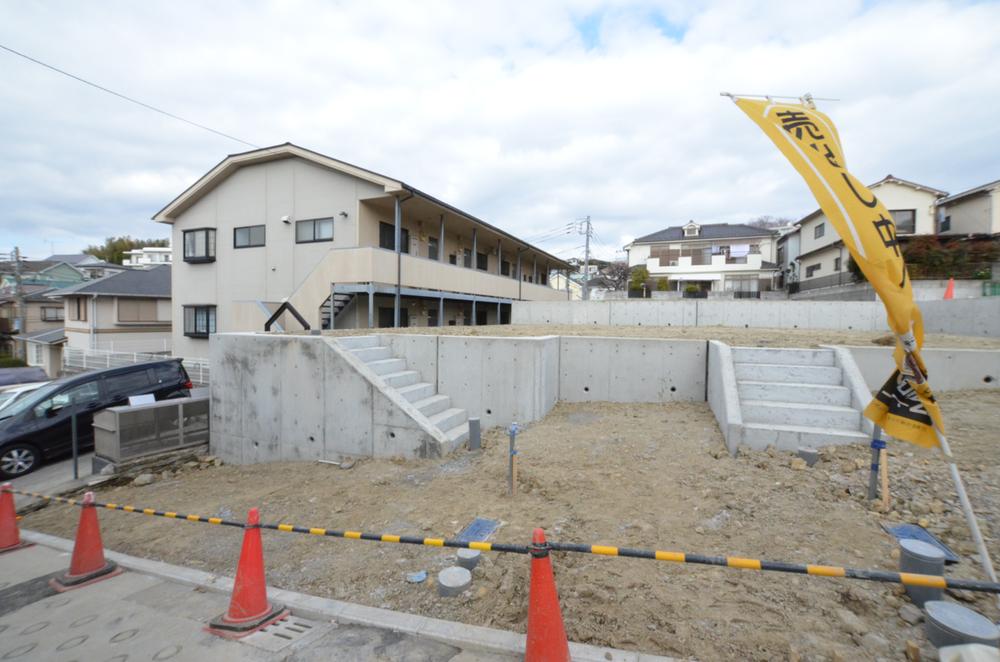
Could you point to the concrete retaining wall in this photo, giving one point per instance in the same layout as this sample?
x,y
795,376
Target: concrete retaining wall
x,y
972,317
280,397
948,369
723,398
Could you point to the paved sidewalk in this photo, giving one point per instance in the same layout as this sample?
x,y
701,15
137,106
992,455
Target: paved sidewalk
x,y
146,618
54,478
157,611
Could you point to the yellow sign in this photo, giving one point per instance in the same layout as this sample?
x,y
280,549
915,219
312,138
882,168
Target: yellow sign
x,y
905,407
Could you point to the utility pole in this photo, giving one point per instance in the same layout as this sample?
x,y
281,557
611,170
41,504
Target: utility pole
x,y
19,293
586,229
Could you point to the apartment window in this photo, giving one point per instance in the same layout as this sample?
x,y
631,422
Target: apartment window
x,y
199,245
137,310
387,237
453,259
945,224
432,248
819,230
504,268
811,269
78,309
905,220
199,321
482,262
314,229
249,236
53,314
836,263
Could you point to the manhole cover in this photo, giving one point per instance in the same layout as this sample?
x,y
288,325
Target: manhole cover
x,y
284,633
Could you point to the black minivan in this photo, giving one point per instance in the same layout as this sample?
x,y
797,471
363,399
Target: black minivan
x,y
39,427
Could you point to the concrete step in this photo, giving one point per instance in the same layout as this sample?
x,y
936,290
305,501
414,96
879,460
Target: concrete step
x,y
782,372
458,435
791,437
821,394
400,379
784,356
801,414
367,354
416,392
433,405
358,342
449,418
386,366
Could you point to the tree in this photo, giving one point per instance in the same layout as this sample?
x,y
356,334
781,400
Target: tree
x,y
767,222
617,273
639,277
661,285
113,250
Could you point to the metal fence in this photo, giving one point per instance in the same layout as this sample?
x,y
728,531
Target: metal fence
x,y
841,278
82,360
126,433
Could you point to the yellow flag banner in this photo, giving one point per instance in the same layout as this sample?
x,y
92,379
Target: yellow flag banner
x,y
905,407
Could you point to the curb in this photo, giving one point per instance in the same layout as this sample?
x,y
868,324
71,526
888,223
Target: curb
x,y
469,637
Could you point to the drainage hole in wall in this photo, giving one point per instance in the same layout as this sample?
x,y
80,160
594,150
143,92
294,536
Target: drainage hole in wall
x,y
489,411
849,327
796,325
987,379
312,438
587,389
673,389
255,444
746,326
392,435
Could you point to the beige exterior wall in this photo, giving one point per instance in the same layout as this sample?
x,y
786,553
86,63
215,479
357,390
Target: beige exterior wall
x,y
243,284
894,196
102,329
976,214
826,259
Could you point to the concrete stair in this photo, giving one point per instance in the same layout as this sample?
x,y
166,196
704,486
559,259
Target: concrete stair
x,y
794,397
451,421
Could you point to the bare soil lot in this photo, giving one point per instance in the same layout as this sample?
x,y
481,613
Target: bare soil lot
x,y
730,335
653,476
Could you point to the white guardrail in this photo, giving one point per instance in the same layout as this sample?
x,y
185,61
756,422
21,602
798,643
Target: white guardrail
x,y
81,360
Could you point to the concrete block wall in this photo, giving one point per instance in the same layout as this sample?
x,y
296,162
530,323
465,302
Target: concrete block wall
x,y
948,369
970,317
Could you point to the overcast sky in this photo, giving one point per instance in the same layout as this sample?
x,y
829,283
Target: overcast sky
x,y
527,114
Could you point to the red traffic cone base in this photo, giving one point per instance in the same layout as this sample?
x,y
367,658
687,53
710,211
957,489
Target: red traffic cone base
x,y
88,564
546,640
249,609
10,537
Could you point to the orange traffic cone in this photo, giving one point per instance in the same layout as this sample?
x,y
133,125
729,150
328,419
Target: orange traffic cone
x,y
249,609
546,635
10,537
949,292
88,564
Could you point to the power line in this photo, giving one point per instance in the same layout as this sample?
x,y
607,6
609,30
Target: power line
x,y
126,98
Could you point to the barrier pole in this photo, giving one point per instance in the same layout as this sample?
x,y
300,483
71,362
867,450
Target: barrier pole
x,y
877,444
76,451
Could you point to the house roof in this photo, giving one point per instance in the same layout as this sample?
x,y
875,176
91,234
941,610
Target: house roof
x,y
72,258
888,179
391,186
151,283
31,293
50,337
972,191
707,231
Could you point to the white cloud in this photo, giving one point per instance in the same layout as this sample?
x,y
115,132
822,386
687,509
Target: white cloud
x,y
529,116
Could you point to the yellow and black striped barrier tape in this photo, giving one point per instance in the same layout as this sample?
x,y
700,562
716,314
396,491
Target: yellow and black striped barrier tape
x,y
905,578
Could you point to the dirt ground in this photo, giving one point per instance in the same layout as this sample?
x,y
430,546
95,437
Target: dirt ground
x,y
653,476
729,335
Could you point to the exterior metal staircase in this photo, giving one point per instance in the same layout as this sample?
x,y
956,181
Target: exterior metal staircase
x,y
340,301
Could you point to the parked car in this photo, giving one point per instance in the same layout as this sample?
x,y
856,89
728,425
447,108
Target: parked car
x,y
38,427
10,394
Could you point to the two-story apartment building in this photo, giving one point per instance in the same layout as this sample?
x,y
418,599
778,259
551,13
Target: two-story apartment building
x,y
148,256
712,256
822,254
976,211
128,311
345,246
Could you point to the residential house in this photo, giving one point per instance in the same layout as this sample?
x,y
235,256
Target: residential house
x,y
345,247
148,256
90,266
40,314
128,311
43,349
822,253
976,211
716,257
788,248
46,273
